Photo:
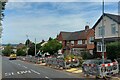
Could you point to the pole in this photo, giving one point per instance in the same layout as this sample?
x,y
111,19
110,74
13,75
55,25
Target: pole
x,y
27,44
103,32
35,46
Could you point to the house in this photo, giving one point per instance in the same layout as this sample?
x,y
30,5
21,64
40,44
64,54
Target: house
x,y
110,31
77,41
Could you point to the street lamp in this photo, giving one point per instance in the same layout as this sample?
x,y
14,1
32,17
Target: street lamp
x,y
35,46
103,33
27,44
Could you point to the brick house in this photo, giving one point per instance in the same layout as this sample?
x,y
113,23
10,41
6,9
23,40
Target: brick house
x,y
111,31
77,41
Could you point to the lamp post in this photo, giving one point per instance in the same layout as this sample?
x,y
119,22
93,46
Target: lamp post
x,y
35,46
103,33
27,44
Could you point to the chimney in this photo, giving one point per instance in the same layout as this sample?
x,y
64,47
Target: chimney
x,y
86,27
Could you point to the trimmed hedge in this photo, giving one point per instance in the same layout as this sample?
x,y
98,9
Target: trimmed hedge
x,y
113,50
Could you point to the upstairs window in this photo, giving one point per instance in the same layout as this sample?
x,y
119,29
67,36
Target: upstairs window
x,y
72,42
79,41
113,29
101,31
91,39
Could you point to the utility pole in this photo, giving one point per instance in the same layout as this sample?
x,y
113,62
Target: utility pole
x,y
103,33
35,46
27,44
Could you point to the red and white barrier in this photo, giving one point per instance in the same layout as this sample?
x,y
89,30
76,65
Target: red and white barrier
x,y
109,64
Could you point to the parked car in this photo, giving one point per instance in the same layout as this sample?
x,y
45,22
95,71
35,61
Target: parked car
x,y
13,56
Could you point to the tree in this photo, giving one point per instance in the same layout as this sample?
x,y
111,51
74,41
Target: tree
x,y
7,50
113,50
21,52
50,39
28,43
31,50
2,8
51,47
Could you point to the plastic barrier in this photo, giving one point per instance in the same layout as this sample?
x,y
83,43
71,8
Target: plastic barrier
x,y
100,70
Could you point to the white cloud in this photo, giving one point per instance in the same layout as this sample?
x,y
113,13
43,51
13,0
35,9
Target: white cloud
x,y
43,23
62,0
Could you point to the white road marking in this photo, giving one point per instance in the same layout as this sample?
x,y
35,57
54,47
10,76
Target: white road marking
x,y
9,74
23,72
24,66
18,72
12,73
46,77
35,71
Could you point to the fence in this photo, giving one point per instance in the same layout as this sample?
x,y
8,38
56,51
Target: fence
x,y
100,70
52,61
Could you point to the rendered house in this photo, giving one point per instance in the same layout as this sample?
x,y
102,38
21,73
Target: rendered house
x,y
110,31
77,41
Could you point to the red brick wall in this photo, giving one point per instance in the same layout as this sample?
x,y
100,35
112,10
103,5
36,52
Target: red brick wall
x,y
90,34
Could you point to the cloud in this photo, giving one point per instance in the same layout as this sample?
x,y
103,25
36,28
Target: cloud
x,y
43,20
62,0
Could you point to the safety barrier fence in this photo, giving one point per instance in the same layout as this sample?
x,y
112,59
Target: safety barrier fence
x,y
54,62
101,70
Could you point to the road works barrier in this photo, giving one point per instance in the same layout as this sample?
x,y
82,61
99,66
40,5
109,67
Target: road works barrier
x,y
52,61
94,68
60,62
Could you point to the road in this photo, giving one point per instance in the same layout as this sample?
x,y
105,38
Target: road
x,y
20,69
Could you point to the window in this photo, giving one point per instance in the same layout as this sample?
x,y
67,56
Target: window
x,y
101,31
79,41
72,42
99,47
91,39
113,29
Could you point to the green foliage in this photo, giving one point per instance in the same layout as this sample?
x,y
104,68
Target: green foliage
x,y
7,50
21,52
50,39
31,50
2,8
51,47
86,55
113,50
28,43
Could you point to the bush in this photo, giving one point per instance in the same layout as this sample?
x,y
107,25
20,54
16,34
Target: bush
x,y
21,52
86,55
113,50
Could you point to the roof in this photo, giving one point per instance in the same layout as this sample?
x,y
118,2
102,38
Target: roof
x,y
114,17
77,35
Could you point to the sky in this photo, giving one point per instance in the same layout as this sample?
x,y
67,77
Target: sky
x,y
42,20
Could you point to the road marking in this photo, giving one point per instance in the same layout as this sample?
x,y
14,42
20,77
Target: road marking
x,y
18,72
9,74
23,72
46,77
24,66
35,71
